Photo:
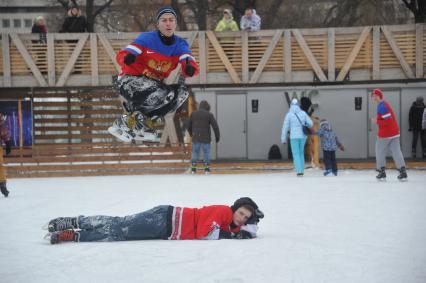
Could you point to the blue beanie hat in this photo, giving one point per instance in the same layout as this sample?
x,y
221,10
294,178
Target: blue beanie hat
x,y
165,10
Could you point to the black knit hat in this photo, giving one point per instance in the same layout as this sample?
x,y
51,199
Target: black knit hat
x,y
165,10
244,201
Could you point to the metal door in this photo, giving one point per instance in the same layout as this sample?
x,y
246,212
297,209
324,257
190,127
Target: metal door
x,y
232,121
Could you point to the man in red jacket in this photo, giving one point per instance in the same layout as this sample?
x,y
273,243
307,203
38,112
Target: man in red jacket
x,y
212,222
145,63
387,137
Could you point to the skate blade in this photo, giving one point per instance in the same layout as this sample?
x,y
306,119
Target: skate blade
x,y
47,236
45,226
381,179
403,180
116,134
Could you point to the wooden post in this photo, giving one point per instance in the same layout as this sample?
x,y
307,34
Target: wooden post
x,y
7,80
419,51
202,57
94,59
169,132
376,52
51,71
331,54
245,56
287,56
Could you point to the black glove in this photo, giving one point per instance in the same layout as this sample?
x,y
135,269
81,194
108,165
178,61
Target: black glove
x,y
225,234
8,146
258,214
410,129
189,69
129,59
217,139
242,235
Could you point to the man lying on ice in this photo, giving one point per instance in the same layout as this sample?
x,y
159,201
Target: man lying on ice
x,y
213,222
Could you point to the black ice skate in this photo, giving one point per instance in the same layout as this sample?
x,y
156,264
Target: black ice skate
x,y
382,174
194,169
402,174
206,170
3,189
62,223
63,236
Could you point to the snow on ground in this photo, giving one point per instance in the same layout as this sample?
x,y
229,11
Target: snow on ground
x,y
349,228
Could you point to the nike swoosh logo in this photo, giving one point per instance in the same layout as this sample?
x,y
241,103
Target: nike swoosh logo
x,y
149,52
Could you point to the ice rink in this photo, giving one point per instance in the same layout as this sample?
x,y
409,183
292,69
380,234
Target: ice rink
x,y
349,228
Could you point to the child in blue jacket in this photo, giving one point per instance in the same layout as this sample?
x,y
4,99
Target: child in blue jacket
x,y
329,144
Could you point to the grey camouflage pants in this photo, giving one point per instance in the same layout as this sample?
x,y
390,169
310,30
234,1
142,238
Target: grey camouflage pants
x,y
147,225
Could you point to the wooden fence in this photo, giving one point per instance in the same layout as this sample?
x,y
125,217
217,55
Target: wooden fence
x,y
267,56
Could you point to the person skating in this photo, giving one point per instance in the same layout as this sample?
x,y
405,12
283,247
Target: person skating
x,y
199,128
387,137
145,63
329,144
6,143
294,122
213,222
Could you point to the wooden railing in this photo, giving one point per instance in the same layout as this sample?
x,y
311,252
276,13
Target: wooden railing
x,y
267,56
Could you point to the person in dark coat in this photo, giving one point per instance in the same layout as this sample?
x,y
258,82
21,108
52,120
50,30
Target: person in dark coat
x,y
75,22
39,27
415,125
6,143
199,128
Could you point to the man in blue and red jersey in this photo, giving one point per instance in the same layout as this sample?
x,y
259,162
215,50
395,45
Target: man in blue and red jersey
x,y
213,222
145,63
387,137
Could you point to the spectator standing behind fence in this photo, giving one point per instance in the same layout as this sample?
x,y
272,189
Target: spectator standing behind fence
x,y
39,27
415,125
5,143
294,121
227,23
75,22
199,129
250,21
329,144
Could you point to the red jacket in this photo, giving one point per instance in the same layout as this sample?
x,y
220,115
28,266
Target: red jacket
x,y
154,59
386,121
200,223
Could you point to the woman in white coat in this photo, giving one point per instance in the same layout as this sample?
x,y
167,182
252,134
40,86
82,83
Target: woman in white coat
x,y
294,122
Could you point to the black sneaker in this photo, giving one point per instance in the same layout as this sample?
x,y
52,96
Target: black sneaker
x,y
62,223
206,170
382,174
299,174
402,174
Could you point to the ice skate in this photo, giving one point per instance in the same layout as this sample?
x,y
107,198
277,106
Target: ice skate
x,y
143,131
206,169
3,189
402,174
327,173
382,174
194,169
63,236
121,130
62,223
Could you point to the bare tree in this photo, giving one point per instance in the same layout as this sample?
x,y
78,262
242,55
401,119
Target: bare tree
x,y
418,8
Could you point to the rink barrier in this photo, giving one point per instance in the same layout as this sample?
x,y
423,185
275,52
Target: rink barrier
x,y
322,55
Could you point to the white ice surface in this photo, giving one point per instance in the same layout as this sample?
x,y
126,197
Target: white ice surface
x,y
349,228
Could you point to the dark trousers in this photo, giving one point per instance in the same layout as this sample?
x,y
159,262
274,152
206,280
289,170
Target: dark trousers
x,y
329,158
416,135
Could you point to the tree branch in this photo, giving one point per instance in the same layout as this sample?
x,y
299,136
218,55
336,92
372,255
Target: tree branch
x,y
108,3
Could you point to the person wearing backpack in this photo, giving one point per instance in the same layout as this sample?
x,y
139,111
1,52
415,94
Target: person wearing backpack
x,y
295,121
